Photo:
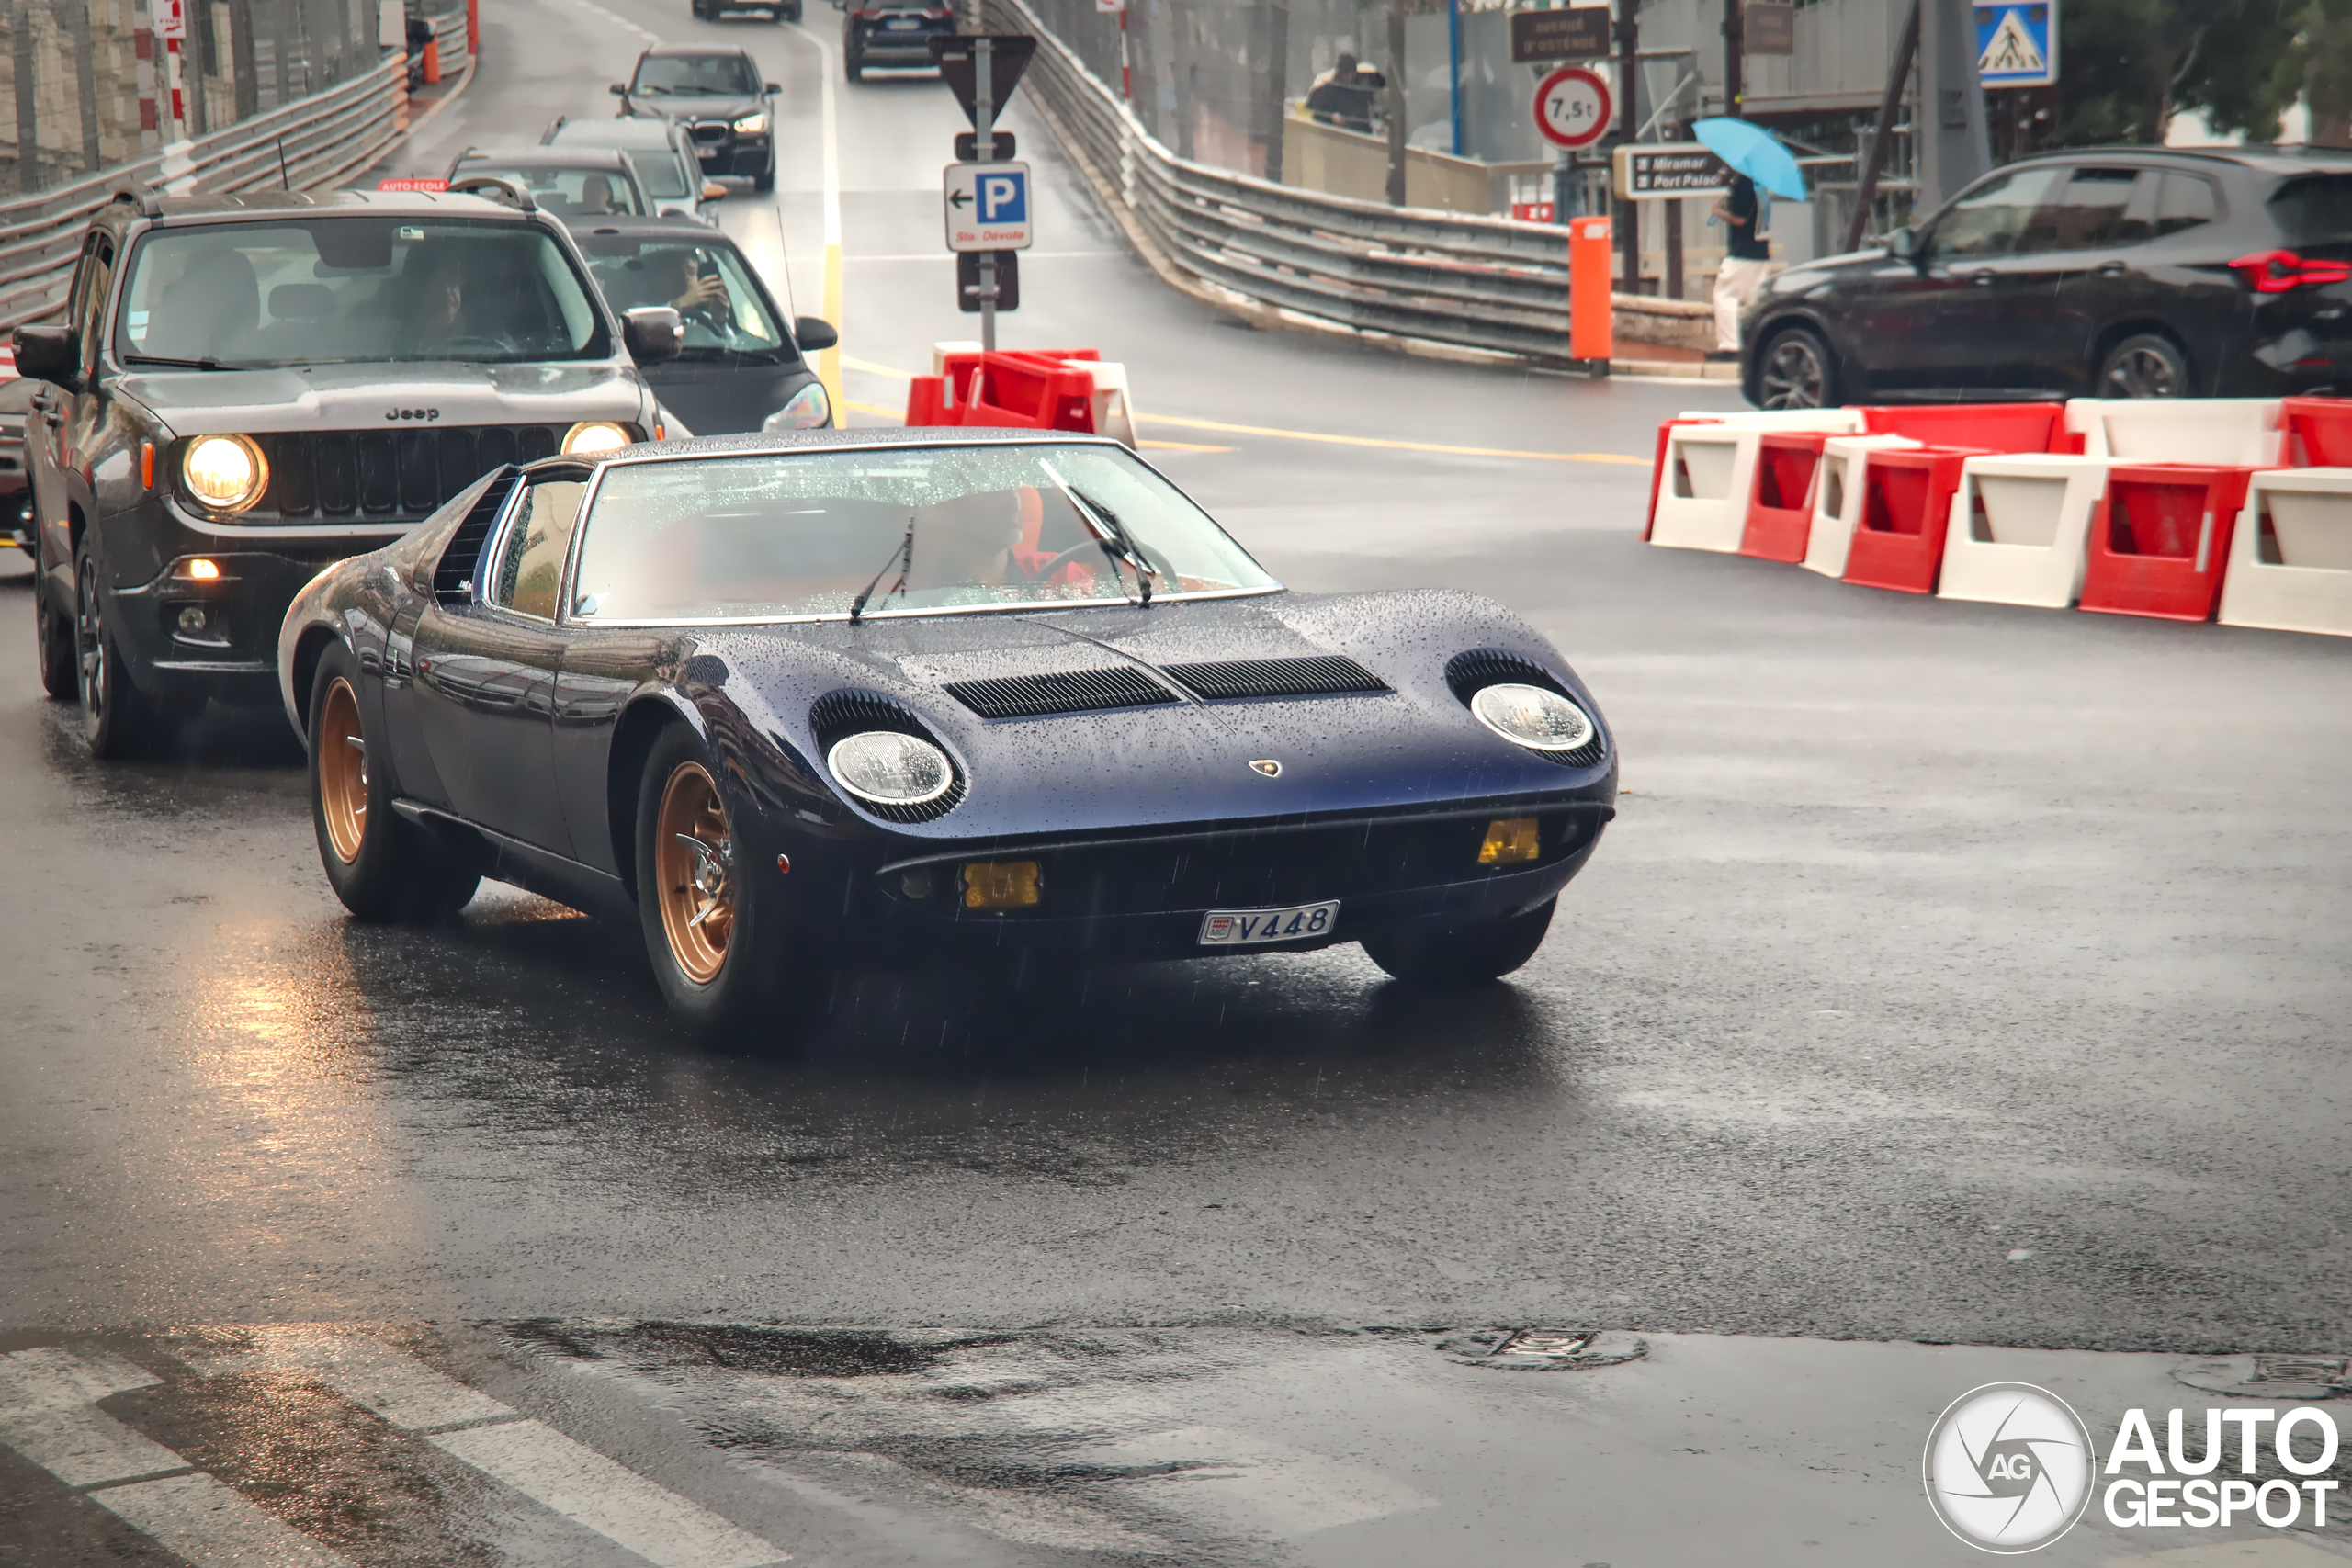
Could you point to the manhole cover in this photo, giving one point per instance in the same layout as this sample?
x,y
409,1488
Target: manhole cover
x,y
1542,1350
2271,1377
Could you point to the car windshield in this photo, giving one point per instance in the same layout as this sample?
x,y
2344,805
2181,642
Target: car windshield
x,y
696,75
704,280
805,534
361,288
566,192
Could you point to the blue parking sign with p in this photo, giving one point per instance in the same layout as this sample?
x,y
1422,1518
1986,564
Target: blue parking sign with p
x,y
1005,196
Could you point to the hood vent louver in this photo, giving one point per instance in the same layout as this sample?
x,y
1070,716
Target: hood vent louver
x,y
1329,675
1075,691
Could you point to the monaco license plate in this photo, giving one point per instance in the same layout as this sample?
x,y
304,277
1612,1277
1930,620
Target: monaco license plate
x,y
1248,928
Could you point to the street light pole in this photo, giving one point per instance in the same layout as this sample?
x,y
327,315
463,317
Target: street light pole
x,y
984,122
1734,56
1627,214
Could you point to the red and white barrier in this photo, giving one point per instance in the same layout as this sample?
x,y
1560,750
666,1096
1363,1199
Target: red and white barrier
x,y
1906,507
1779,514
1837,498
2018,527
2290,562
1071,389
2160,541
1709,474
2210,432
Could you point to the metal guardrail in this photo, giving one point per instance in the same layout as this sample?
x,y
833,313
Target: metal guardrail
x,y
1486,283
313,142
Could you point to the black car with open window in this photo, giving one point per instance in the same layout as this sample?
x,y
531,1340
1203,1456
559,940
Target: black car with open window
x,y
2122,272
246,389
717,96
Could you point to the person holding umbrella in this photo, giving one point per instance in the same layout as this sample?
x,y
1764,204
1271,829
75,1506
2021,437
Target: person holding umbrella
x,y
1757,158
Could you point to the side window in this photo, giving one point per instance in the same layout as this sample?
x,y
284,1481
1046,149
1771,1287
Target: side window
x,y
2102,209
1995,218
91,285
2183,201
530,558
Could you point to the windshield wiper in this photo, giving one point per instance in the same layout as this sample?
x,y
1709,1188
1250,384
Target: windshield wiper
x,y
208,363
904,554
1117,544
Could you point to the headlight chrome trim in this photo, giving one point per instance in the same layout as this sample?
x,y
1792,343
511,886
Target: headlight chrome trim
x,y
871,740
1487,706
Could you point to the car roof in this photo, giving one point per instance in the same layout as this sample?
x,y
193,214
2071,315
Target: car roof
x,y
694,51
265,204
634,132
571,157
2266,159
882,436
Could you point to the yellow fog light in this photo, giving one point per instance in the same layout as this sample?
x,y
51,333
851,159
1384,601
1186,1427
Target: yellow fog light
x,y
999,885
200,569
227,473
1509,839
588,439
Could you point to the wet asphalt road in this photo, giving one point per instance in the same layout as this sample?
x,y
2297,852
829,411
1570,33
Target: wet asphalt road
x,y
1952,972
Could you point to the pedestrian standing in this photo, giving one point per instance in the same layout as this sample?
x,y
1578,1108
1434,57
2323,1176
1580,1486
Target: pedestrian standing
x,y
1746,258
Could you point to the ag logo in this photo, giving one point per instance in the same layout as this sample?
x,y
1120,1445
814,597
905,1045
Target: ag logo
x,y
2008,1467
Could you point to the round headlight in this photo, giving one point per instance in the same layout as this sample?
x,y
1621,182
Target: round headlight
x,y
809,410
595,435
1532,717
227,473
890,769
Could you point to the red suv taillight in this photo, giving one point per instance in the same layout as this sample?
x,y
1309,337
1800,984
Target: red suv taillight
x,y
2275,272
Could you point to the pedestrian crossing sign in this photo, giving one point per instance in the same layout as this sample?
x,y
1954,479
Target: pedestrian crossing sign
x,y
2016,42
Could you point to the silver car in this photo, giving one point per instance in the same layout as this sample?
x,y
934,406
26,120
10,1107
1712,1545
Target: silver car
x,y
666,167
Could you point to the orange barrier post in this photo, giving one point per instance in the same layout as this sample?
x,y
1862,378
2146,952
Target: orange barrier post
x,y
1592,334
432,63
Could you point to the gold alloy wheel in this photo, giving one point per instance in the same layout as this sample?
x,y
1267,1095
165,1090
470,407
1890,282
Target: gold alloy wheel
x,y
343,772
691,859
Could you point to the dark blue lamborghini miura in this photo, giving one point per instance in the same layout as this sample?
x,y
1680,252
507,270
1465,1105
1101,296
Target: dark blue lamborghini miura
x,y
890,694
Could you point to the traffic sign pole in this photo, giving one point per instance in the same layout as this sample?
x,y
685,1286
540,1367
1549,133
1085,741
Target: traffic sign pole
x,y
984,136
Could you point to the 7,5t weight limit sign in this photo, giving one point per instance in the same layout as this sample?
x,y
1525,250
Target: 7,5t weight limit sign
x,y
1573,108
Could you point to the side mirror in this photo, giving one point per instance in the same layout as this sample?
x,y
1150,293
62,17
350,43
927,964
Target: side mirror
x,y
50,353
652,333
713,191
1902,246
770,88
618,90
811,334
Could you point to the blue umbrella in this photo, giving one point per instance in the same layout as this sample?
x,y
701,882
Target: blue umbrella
x,y
1754,151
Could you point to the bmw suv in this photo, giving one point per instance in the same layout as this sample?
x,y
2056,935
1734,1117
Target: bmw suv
x,y
2114,272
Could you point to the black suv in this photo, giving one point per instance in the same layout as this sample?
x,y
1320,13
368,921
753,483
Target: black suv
x,y
890,33
717,96
248,388
2114,272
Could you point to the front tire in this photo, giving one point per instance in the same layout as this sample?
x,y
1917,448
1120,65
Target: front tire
x,y
854,68
2146,364
697,900
1795,370
117,719
1467,955
383,867
53,645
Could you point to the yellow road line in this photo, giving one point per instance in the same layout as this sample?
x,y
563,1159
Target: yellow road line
x,y
870,366
1182,446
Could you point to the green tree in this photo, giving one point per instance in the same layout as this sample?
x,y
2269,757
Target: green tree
x,y
2327,71
2126,67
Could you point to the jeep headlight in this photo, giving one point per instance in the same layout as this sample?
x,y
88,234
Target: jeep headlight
x,y
892,769
809,410
227,473
591,436
1532,718
751,125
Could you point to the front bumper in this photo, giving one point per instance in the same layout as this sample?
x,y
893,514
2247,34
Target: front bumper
x,y
1144,896
186,639
744,157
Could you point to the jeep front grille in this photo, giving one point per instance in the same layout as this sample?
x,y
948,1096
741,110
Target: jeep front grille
x,y
387,475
